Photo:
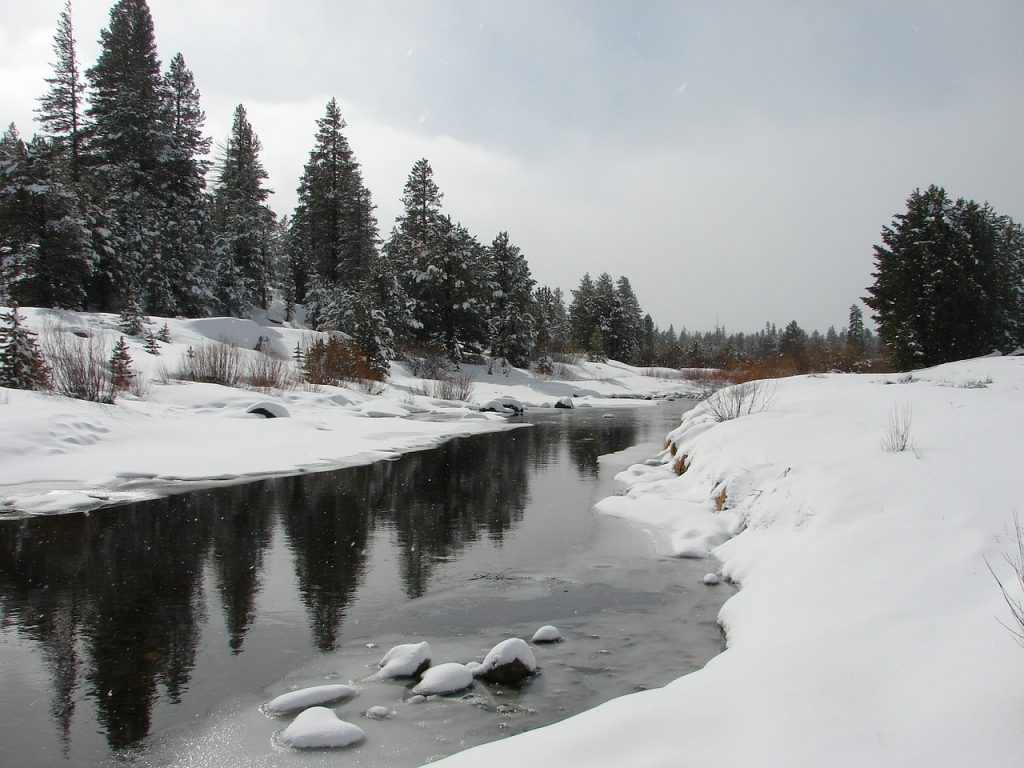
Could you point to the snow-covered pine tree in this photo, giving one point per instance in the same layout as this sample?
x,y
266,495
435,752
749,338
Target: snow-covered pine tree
x,y
121,366
552,321
624,324
512,326
180,282
335,230
164,334
128,143
584,316
60,108
132,321
150,344
45,253
21,362
242,224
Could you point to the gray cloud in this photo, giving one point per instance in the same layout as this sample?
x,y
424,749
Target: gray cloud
x,y
735,160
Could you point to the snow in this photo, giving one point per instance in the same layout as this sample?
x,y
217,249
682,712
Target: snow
x,y
867,629
546,634
711,579
506,652
405,660
321,728
60,454
308,697
444,678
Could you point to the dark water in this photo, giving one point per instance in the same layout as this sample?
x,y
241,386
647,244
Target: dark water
x,y
152,632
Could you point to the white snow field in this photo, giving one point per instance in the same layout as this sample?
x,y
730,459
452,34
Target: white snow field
x,y
58,454
868,630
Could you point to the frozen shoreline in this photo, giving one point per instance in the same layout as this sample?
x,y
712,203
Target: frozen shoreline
x,y
61,455
867,627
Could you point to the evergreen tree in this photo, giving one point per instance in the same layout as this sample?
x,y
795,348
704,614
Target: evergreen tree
x,y
948,281
512,327
625,324
132,320
60,108
334,227
855,338
120,366
45,253
242,224
151,345
21,362
584,317
179,282
128,143
552,321
793,345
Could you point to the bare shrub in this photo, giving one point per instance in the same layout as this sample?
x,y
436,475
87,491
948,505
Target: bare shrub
x,y
139,385
78,365
215,362
1015,604
976,383
265,373
334,361
740,400
451,386
372,386
427,362
896,437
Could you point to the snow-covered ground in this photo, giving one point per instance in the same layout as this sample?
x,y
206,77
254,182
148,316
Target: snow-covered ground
x,y
868,630
59,454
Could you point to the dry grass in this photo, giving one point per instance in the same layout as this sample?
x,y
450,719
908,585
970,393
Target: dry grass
x,y
1014,603
78,365
215,362
452,386
896,437
740,400
265,374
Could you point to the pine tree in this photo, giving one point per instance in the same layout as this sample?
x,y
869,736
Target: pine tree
x,y
150,344
121,366
21,362
60,109
132,320
179,281
334,227
625,324
128,143
855,340
552,321
948,281
512,326
584,318
44,244
242,224
164,334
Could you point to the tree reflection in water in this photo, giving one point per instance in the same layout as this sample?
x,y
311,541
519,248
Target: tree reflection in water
x,y
115,601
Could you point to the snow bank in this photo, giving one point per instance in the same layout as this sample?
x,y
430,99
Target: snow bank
x,y
59,454
867,627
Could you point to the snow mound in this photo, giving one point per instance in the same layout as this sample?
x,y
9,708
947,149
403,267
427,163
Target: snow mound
x,y
444,678
269,410
308,697
546,634
407,660
509,662
321,728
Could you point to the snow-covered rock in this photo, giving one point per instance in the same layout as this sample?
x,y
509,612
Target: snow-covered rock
x,y
711,579
503,404
509,662
407,660
564,402
444,678
269,410
379,713
321,728
308,697
546,634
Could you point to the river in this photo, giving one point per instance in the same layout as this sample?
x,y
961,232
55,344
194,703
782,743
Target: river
x,y
152,632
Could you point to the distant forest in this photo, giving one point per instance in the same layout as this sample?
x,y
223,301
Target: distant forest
x,y
108,207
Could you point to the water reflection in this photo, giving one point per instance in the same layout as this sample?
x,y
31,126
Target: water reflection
x,y
114,603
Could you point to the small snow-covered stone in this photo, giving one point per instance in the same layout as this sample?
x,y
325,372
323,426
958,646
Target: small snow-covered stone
x,y
407,660
564,402
308,697
509,662
546,634
444,678
607,415
320,728
379,713
711,579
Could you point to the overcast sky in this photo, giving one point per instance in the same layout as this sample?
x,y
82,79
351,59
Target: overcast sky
x,y
735,160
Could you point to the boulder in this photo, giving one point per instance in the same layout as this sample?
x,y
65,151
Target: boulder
x,y
407,660
509,663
